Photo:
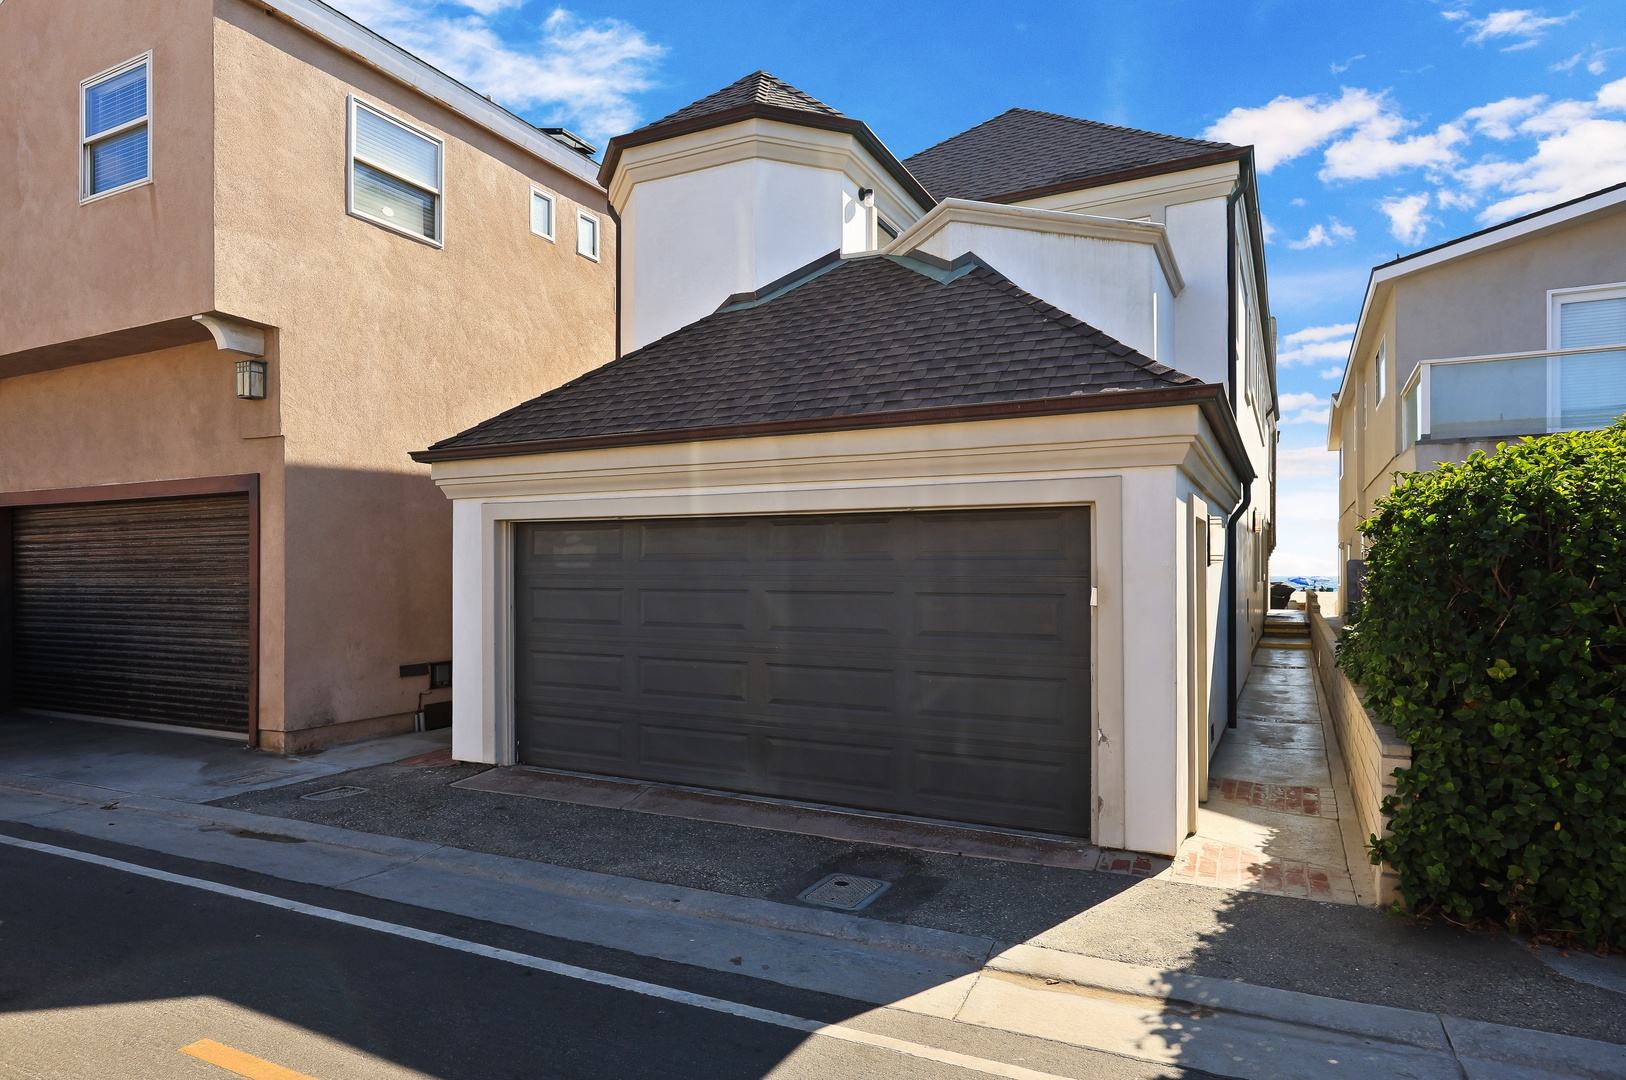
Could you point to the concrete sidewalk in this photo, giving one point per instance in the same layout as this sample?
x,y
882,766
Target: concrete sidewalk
x,y
1136,1011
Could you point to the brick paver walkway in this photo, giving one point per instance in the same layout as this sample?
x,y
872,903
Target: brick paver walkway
x,y
1271,820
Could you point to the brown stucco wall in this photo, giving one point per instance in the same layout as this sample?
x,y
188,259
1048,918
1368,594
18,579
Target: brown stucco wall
x,y
387,345
127,260
155,416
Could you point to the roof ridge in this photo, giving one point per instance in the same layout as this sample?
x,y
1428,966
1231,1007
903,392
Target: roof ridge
x,y
760,87
1115,127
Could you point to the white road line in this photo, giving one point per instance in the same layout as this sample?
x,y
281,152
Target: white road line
x,y
553,967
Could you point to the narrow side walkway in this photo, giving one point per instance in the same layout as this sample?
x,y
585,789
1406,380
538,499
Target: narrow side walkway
x,y
1271,820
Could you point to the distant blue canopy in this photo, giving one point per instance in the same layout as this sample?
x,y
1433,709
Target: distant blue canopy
x,y
1308,584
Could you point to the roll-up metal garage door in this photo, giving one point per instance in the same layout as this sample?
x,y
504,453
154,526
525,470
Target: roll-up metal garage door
x,y
134,610
933,664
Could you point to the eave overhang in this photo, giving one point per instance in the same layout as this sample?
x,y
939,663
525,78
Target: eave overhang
x,y
1209,398
843,124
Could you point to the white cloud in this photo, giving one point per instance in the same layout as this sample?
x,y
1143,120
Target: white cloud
x,y
583,74
1315,344
1521,23
1288,127
1306,461
1579,148
1326,235
1267,228
1375,149
1339,69
1303,409
1408,219
1320,333
1332,373
1497,118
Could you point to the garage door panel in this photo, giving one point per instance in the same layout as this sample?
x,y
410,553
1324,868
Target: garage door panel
x,y
815,611
575,742
135,610
544,605
543,670
932,664
693,753
719,681
694,609
803,765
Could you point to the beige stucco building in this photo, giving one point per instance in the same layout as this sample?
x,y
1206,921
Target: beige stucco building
x,y
1517,330
401,256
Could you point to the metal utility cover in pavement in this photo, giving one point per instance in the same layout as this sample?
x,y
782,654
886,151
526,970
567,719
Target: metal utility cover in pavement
x,y
845,891
334,793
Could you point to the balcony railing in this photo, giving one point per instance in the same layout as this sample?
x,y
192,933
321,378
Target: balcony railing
x,y
1470,397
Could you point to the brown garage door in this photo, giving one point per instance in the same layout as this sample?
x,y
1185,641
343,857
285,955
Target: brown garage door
x,y
134,610
933,664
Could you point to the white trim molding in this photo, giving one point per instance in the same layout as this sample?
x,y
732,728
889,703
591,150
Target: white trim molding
x,y
1031,219
233,336
756,139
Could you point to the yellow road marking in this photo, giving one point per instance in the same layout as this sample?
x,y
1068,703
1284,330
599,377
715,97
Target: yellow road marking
x,y
240,1063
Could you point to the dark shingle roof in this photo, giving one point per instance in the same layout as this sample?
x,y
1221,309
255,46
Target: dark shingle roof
x,y
757,88
867,335
1024,151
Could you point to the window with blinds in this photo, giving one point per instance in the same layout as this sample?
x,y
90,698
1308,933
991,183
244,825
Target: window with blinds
x,y
395,174
1592,386
115,110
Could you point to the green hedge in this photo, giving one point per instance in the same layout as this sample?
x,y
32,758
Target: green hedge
x,y
1493,639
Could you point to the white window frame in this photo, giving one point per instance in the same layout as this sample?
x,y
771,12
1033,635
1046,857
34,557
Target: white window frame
x,y
598,235
553,212
438,240
86,141
1557,298
1382,364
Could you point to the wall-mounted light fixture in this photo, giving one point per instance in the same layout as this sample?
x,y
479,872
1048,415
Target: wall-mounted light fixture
x,y
251,379
866,196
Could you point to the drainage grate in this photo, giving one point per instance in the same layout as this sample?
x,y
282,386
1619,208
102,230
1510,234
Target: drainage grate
x,y
845,891
334,793
245,779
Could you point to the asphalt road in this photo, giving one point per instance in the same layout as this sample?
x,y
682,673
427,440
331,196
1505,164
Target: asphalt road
x,y
107,973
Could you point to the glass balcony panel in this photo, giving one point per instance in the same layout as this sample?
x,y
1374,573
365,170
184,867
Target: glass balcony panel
x,y
1488,398
1592,389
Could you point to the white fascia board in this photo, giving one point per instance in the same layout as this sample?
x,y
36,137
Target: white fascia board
x,y
1032,219
1377,287
752,138
351,37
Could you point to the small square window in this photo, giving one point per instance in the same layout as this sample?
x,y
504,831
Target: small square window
x,y
542,214
587,235
395,174
115,112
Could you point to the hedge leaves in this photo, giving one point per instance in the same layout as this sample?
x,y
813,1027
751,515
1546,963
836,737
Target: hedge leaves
x,y
1493,639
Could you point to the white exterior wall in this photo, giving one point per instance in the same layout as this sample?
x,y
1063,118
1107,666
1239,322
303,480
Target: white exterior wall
x,y
729,210
692,240
1197,234
1116,286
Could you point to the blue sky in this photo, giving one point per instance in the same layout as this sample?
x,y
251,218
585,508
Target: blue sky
x,y
1381,128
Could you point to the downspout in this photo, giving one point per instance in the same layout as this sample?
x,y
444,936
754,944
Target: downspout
x,y
615,305
1247,485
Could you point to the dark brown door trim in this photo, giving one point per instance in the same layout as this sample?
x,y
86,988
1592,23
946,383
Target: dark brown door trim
x,y
249,483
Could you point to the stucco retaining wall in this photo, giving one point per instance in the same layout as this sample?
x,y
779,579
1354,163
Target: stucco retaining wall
x,y
1372,751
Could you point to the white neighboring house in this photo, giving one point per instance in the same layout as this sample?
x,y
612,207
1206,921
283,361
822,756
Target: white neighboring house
x,y
939,487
